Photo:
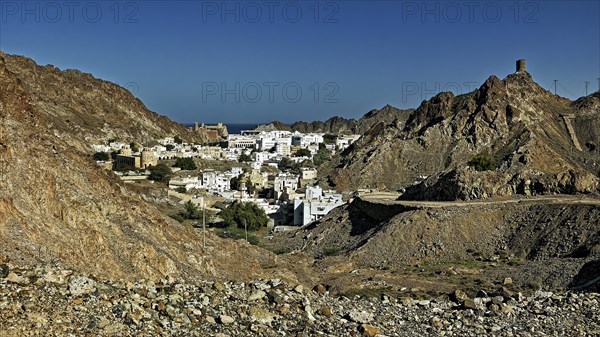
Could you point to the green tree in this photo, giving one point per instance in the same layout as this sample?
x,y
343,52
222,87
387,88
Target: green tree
x,y
250,188
133,147
322,155
302,153
482,163
244,158
101,156
234,183
329,138
286,163
248,213
170,147
178,140
192,212
186,164
160,172
181,189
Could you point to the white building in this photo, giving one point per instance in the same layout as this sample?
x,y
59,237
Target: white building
x,y
187,182
315,205
216,182
283,149
342,142
102,148
237,141
308,173
267,142
304,140
167,140
284,183
261,157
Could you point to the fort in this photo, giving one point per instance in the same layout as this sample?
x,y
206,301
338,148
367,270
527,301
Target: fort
x,y
211,132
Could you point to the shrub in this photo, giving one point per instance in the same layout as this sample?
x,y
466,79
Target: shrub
x,y
170,147
331,250
235,233
186,164
178,140
124,168
192,212
181,189
281,251
177,217
302,153
482,163
101,156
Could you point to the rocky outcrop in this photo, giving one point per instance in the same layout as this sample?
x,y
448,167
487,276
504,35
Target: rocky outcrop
x,y
340,125
468,184
513,121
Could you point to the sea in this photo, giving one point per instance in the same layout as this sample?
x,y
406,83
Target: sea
x,y
233,128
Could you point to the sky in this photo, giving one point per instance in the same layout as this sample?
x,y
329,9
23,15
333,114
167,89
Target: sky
x,y
258,61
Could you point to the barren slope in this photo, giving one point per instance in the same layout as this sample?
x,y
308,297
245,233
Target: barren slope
x,y
88,110
57,206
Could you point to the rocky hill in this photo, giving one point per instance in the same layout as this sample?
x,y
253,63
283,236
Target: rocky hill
x,y
58,207
340,125
537,237
87,110
538,143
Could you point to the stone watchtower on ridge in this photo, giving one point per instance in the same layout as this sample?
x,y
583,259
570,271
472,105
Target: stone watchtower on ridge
x,y
521,66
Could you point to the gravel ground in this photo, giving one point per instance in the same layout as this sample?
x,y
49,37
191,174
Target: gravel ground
x,y
54,302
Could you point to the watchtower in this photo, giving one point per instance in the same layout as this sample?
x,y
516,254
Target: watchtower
x,y
148,159
521,65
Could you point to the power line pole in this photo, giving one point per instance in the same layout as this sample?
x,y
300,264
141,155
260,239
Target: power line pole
x,y
203,223
555,82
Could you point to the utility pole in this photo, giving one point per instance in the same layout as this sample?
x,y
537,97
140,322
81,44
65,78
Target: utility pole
x,y
203,223
586,87
555,82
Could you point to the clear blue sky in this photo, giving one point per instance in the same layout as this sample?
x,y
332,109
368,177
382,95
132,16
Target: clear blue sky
x,y
244,61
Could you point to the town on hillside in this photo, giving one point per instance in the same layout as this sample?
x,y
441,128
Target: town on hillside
x,y
273,169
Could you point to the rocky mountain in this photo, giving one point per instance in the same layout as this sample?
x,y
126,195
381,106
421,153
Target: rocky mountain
x,y
76,103
539,143
340,125
58,207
